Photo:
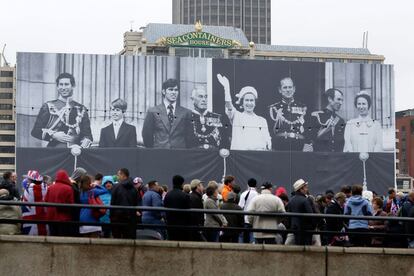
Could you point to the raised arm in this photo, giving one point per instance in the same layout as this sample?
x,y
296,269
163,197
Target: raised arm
x,y
230,110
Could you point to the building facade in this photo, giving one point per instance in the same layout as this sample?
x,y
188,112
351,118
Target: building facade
x,y
252,16
405,145
175,40
7,120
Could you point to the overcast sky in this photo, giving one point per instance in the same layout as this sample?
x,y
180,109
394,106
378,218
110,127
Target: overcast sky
x,y
97,26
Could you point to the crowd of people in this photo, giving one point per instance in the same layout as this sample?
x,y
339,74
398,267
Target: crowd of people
x,y
123,190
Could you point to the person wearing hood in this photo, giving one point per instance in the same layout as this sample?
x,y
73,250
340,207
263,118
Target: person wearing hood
x,y
358,206
35,192
124,194
107,184
9,212
60,192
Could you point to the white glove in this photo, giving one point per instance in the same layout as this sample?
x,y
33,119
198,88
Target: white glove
x,y
226,85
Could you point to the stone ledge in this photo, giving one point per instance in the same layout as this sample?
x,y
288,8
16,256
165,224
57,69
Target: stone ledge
x,y
206,245
364,250
199,245
68,240
23,238
398,251
242,246
283,248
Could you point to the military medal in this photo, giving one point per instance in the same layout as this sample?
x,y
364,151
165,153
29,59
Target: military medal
x,y
203,121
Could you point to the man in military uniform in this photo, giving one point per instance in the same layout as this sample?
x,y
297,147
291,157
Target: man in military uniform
x,y
208,126
288,119
63,122
326,126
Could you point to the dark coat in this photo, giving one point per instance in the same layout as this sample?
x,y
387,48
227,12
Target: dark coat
x,y
236,220
407,210
334,224
177,199
127,137
11,187
124,194
197,203
158,133
301,204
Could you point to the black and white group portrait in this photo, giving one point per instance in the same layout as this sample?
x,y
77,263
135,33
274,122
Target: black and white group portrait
x,y
281,119
170,103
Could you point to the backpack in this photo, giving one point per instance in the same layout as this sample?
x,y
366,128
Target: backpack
x,y
97,213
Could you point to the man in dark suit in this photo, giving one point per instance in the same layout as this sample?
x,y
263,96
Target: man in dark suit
x,y
168,125
118,134
177,199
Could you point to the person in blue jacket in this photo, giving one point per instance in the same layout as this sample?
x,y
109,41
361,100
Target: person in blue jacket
x,y
358,206
87,191
107,184
152,198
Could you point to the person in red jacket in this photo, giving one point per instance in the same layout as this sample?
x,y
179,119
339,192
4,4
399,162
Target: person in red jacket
x,y
60,192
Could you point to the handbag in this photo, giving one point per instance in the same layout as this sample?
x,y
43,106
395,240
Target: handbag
x,y
97,213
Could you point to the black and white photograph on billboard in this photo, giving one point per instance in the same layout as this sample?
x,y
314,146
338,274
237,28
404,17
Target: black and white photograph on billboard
x,y
308,106
204,118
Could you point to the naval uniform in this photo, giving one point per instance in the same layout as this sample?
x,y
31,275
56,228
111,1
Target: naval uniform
x,y
327,131
288,119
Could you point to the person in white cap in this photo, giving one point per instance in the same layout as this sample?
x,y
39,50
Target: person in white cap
x,y
250,131
301,204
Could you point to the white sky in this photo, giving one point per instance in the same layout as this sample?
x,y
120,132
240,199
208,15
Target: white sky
x,y
97,26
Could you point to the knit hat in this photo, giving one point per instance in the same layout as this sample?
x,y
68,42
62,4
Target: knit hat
x,y
280,190
299,184
78,173
62,177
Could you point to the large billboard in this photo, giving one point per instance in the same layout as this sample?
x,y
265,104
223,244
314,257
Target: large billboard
x,y
159,116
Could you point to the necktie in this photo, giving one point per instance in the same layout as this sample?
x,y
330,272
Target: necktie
x,y
170,113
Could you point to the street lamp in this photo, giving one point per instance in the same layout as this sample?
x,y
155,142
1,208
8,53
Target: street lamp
x,y
224,153
363,156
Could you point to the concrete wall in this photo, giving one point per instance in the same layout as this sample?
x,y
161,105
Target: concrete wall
x,y
22,255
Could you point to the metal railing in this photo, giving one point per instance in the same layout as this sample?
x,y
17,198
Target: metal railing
x,y
213,211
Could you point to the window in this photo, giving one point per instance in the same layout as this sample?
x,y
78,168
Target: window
x,y
6,117
6,84
6,95
412,126
5,126
7,160
7,149
7,138
7,74
6,107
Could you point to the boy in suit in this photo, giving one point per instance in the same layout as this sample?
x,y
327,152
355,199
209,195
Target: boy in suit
x,y
118,134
